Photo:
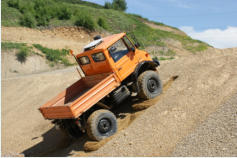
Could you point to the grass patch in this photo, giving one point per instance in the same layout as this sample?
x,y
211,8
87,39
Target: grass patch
x,y
11,45
163,58
194,49
166,58
164,53
54,55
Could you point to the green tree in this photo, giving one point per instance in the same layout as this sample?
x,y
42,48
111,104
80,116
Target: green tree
x,y
119,4
108,5
116,4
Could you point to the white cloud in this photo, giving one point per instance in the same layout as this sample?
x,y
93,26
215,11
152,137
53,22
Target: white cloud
x,y
218,38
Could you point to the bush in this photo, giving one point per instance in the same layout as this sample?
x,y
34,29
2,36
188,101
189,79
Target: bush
x,y
22,54
13,4
101,22
64,13
28,20
85,21
26,7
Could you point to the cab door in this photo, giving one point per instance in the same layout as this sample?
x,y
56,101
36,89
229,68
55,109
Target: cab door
x,y
123,54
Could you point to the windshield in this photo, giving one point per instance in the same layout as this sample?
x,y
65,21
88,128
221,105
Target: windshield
x,y
118,50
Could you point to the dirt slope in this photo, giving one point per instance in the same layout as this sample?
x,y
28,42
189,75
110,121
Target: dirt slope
x,y
205,81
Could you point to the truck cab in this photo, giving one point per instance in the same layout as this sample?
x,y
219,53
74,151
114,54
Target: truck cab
x,y
114,53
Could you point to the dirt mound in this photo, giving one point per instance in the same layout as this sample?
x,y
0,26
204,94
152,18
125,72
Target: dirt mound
x,y
74,38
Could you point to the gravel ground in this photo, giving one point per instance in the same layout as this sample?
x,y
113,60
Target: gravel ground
x,y
217,136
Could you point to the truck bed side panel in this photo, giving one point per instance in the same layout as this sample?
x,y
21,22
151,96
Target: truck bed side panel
x,y
94,95
79,97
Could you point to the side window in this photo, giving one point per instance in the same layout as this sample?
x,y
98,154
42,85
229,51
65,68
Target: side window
x,y
84,60
97,57
128,43
118,50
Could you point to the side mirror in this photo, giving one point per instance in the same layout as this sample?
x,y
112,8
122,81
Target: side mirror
x,y
137,45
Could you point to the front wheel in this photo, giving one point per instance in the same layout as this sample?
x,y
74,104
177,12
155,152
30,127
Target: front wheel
x,y
101,124
149,84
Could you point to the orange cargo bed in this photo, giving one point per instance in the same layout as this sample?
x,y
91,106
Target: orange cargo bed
x,y
80,96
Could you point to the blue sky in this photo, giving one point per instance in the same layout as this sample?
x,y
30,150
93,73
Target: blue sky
x,y
192,16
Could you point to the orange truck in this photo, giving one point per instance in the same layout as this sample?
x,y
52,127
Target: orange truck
x,y
112,69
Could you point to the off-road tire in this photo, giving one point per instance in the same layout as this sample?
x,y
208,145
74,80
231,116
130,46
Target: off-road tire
x,y
96,120
150,85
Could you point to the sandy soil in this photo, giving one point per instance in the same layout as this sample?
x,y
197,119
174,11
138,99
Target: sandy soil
x,y
204,82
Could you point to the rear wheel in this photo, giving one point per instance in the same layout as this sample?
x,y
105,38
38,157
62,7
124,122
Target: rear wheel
x,y
101,124
149,84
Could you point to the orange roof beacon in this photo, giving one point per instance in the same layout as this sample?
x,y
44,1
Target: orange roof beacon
x,y
113,68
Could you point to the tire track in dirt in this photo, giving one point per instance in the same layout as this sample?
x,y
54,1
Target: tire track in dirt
x,y
130,117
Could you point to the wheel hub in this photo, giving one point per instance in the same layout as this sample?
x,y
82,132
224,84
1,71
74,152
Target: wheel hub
x,y
104,125
152,85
